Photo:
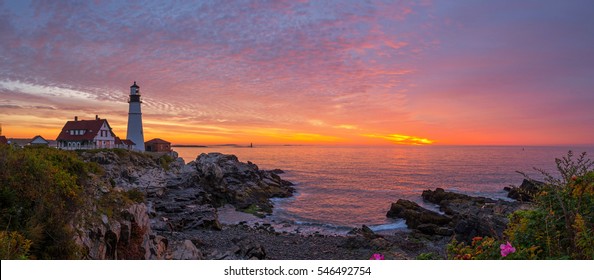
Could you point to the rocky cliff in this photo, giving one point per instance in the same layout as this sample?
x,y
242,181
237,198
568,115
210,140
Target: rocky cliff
x,y
463,216
145,204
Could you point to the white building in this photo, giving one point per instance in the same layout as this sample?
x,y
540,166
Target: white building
x,y
135,132
86,134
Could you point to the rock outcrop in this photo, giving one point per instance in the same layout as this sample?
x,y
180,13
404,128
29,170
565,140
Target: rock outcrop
x,y
177,200
464,216
526,191
415,215
127,235
242,185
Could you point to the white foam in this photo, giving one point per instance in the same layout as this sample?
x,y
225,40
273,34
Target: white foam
x,y
397,225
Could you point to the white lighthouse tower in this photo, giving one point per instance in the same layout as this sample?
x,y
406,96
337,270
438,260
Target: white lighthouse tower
x,y
135,132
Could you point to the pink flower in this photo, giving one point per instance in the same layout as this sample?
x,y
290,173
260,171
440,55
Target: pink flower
x,y
507,249
377,257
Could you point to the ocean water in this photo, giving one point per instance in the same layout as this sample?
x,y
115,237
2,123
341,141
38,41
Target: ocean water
x,y
343,187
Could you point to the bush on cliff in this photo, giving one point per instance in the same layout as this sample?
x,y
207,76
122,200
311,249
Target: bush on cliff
x,y
40,192
560,225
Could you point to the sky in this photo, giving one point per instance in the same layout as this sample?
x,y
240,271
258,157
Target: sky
x,y
304,72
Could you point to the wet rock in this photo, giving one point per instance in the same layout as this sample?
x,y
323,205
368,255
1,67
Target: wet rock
x,y
415,215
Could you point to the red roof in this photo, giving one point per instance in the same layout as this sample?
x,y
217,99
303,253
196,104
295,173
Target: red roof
x,y
157,141
91,128
126,142
3,140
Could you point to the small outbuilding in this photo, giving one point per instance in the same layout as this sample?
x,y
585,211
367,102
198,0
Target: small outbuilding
x,y
39,141
157,145
124,144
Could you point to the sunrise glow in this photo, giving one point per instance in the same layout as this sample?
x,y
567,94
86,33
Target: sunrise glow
x,y
304,72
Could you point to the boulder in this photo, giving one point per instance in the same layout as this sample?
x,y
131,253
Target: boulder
x,y
249,249
185,250
416,215
526,191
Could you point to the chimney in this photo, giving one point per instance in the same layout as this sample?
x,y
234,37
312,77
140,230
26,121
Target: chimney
x,y
75,118
96,117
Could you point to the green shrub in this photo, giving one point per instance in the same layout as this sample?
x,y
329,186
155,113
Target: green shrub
x,y
164,161
561,223
136,195
427,256
40,192
487,248
14,246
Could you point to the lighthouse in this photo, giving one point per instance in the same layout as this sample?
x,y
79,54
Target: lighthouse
x,y
135,132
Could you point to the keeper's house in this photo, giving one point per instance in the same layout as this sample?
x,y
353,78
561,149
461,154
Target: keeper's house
x,y
88,134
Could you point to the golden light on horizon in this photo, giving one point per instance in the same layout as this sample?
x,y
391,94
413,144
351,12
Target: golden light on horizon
x,y
402,139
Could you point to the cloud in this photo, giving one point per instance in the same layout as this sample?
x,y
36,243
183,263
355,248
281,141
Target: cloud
x,y
237,65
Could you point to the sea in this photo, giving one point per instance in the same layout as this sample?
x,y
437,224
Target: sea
x,y
339,188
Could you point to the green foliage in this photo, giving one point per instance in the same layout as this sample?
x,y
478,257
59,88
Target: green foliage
x,y
164,161
135,195
40,191
111,203
486,248
561,223
254,210
14,246
427,256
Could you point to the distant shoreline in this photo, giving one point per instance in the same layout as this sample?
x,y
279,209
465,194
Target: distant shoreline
x,y
188,146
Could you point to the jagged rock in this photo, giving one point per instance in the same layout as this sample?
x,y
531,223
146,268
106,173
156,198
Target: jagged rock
x,y
179,198
242,185
126,236
249,249
526,191
159,248
440,194
365,238
466,216
185,250
415,215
